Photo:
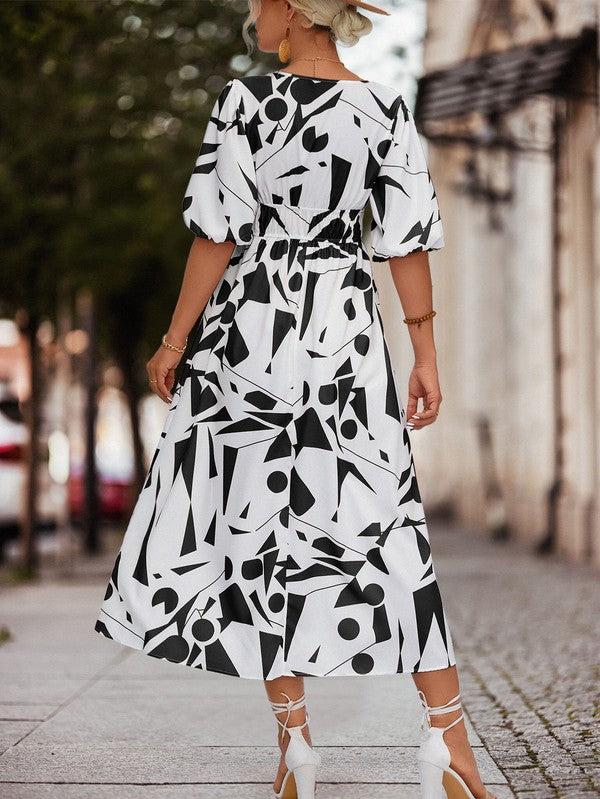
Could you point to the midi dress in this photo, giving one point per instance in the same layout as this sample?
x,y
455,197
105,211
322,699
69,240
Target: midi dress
x,y
280,529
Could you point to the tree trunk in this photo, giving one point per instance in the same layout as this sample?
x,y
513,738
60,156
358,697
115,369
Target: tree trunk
x,y
133,394
90,515
31,412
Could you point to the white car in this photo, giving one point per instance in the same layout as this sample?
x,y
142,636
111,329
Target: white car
x,y
14,436
13,440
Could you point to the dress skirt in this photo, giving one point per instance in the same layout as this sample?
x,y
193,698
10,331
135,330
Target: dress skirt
x,y
280,530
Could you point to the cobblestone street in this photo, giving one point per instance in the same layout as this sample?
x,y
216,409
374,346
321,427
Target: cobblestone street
x,y
529,646
84,717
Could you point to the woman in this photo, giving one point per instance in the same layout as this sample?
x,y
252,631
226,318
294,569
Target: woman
x,y
280,532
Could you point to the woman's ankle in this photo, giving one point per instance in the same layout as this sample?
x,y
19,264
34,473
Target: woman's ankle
x,y
444,719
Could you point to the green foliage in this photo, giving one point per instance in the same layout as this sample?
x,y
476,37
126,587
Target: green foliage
x,y
103,107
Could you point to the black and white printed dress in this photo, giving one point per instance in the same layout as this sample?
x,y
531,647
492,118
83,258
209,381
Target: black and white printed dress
x,y
280,529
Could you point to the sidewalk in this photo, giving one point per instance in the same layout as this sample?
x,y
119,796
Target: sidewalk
x,y
82,716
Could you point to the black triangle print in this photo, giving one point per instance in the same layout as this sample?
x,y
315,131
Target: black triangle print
x,y
280,528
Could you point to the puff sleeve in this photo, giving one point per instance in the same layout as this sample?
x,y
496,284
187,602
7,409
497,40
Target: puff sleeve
x,y
221,197
406,216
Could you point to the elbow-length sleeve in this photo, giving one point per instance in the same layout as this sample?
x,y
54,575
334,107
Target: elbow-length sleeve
x,y
404,205
221,197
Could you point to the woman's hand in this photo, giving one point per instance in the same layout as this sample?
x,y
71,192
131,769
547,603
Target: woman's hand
x,y
423,382
161,371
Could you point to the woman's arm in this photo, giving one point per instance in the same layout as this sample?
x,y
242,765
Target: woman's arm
x,y
204,268
207,260
412,278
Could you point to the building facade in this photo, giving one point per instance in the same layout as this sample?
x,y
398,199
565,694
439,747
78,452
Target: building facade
x,y
508,110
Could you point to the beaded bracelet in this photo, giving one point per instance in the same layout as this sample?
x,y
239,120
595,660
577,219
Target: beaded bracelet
x,y
418,319
172,346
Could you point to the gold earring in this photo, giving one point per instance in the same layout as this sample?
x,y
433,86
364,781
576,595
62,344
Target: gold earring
x,y
284,48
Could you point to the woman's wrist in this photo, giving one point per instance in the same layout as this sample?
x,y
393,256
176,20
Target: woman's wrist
x,y
425,356
423,342
176,337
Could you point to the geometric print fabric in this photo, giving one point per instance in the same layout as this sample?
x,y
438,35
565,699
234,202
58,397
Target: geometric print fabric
x,y
280,529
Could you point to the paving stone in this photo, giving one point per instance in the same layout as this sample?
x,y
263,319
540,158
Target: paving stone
x,y
216,791
123,724
49,690
14,711
165,762
528,664
13,731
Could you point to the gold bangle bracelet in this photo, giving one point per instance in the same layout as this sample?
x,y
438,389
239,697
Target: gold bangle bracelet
x,y
418,319
166,344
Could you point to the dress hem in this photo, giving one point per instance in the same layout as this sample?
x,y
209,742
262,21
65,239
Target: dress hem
x,y
284,674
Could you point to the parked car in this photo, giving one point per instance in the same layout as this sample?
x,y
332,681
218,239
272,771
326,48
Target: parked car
x,y
13,441
13,471
114,459
114,495
114,463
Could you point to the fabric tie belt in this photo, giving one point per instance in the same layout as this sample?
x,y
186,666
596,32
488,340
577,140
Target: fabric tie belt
x,y
340,225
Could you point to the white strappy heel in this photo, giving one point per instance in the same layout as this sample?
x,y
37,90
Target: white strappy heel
x,y
300,758
438,780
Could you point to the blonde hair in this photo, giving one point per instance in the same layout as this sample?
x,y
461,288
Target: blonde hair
x,y
345,23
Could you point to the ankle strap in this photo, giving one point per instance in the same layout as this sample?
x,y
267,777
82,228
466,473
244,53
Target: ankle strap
x,y
291,704
451,704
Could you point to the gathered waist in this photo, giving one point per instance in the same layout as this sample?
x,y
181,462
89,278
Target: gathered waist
x,y
341,225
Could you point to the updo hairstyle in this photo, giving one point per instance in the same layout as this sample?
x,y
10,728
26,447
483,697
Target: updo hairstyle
x,y
345,23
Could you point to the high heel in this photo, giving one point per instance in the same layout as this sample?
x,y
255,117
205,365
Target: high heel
x,y
300,758
438,780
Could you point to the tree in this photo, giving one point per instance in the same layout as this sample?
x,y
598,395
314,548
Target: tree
x,y
102,110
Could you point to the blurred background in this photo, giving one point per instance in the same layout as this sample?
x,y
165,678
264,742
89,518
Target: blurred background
x,y
103,106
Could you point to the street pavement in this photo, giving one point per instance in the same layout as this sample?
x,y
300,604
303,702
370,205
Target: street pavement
x,y
83,717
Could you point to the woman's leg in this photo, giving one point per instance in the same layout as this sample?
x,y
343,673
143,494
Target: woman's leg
x,y
294,688
439,687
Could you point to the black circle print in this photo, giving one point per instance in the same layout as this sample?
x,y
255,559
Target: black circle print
x,y
280,530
